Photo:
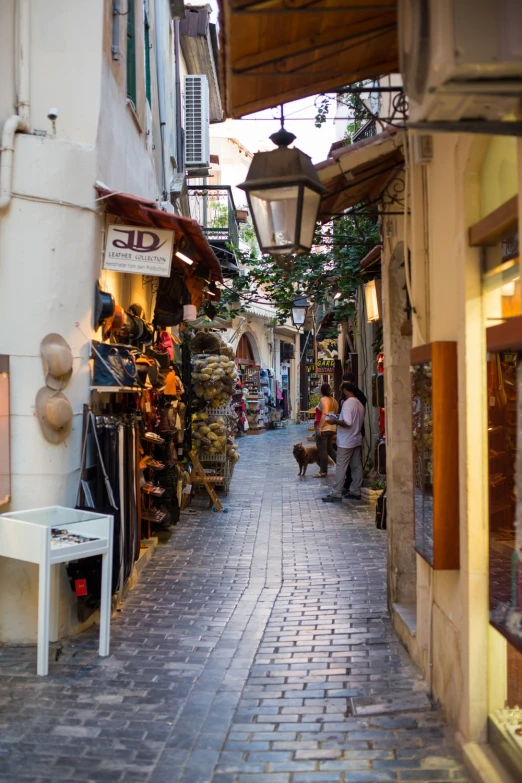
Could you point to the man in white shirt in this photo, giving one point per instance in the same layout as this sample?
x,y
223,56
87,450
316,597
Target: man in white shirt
x,y
349,440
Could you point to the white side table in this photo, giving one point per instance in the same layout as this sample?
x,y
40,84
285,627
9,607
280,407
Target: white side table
x,y
50,536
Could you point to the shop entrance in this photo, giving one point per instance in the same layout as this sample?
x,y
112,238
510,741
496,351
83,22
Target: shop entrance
x,y
255,394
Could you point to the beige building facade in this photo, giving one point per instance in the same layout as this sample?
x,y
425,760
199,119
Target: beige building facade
x,y
444,615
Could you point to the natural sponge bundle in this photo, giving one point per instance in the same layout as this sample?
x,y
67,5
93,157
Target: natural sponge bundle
x,y
205,342
214,377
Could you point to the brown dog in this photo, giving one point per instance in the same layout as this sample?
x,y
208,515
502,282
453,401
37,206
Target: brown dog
x,y
307,455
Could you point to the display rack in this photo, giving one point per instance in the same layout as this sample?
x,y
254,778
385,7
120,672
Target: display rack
x,y
218,468
256,413
251,379
51,536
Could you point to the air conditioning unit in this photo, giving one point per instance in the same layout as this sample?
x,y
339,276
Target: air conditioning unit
x,y
197,134
461,59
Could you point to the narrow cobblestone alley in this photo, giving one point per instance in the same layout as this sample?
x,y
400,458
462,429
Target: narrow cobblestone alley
x,y
256,648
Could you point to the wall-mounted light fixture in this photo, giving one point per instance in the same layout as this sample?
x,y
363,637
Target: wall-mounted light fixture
x,y
372,295
184,258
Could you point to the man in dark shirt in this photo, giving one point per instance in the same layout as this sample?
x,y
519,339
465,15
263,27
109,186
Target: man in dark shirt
x,y
359,395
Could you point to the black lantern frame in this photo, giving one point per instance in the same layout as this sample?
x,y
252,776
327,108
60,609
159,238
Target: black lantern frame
x,y
300,303
278,171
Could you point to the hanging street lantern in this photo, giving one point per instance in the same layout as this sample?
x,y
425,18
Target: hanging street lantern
x,y
283,191
300,308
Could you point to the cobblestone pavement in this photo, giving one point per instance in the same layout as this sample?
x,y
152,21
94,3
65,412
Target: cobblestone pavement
x,y
256,648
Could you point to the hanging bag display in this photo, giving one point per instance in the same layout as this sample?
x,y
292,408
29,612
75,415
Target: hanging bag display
x,y
161,357
114,365
85,574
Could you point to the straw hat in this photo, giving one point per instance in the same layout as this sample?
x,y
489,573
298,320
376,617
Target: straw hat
x,y
55,414
57,361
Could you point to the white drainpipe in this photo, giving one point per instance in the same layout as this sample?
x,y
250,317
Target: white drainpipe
x,y
17,122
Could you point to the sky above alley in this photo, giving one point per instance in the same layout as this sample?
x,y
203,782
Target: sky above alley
x,y
254,130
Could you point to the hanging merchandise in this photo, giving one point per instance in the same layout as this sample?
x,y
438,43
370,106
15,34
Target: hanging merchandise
x,y
104,305
165,344
162,357
55,414
113,324
57,361
172,295
214,377
114,365
109,487
215,420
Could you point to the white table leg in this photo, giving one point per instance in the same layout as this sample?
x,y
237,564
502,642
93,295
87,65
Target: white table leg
x,y
44,589
105,607
55,603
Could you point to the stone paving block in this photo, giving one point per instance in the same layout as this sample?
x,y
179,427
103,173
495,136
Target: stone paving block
x,y
236,657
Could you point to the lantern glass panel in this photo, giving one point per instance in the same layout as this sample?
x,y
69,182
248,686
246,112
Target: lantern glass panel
x,y
275,214
311,201
298,315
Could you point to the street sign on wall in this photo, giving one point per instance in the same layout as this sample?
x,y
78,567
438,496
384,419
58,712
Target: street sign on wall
x,y
139,251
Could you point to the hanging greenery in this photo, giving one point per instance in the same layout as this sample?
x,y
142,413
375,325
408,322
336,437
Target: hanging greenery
x,y
333,267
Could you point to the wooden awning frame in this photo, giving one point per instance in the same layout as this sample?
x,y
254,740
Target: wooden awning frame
x,y
359,173
275,51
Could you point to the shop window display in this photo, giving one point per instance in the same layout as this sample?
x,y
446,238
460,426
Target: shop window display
x,y
505,571
435,453
503,321
422,421
504,396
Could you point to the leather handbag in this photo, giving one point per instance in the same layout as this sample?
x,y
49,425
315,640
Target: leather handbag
x,y
161,357
114,365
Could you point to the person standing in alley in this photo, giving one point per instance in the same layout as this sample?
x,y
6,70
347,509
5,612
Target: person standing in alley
x,y
325,431
349,440
361,396
350,377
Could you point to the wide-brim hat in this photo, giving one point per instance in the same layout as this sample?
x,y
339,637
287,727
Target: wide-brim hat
x,y
57,361
55,414
104,305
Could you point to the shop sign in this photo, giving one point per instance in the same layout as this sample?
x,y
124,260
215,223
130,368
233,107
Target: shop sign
x,y
311,368
138,250
326,366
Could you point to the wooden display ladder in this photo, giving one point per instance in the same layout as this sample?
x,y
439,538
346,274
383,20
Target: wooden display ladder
x,y
202,476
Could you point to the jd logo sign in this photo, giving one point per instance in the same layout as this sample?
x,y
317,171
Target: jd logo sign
x,y
139,241
139,251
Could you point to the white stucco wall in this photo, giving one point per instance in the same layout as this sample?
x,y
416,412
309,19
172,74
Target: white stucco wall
x,y
49,260
51,238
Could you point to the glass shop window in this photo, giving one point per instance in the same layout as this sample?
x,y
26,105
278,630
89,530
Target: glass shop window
x,y
422,420
502,289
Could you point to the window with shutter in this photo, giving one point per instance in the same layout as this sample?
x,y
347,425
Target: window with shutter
x,y
131,53
147,47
